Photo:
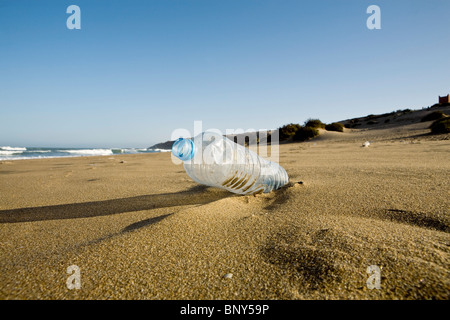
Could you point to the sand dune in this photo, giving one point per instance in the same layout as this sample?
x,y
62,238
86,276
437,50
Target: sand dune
x,y
142,229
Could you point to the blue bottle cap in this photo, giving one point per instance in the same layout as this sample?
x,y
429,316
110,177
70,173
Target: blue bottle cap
x,y
183,149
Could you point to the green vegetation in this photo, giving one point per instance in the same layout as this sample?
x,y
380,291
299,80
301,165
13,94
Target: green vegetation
x,y
314,123
437,105
441,126
435,115
288,131
353,123
305,133
335,126
372,122
397,113
302,133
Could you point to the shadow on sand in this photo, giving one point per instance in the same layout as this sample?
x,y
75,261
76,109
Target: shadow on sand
x,y
195,195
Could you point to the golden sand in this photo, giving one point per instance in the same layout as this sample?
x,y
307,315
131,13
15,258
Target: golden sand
x,y
139,228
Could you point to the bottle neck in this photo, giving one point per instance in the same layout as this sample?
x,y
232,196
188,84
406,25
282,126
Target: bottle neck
x,y
183,149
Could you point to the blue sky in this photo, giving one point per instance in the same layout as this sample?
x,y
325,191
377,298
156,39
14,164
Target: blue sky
x,y
137,70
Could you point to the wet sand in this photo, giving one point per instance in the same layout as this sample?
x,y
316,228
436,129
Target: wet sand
x,y
139,228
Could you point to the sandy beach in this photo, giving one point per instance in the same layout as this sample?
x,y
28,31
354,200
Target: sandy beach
x,y
139,228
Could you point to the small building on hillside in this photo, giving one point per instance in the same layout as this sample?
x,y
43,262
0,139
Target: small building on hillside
x,y
445,99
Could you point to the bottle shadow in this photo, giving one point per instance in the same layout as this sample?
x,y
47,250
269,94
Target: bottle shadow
x,y
197,195
144,223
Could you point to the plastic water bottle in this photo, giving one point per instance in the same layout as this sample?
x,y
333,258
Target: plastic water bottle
x,y
214,160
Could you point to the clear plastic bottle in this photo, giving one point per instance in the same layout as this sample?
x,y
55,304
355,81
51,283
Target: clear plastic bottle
x,y
214,160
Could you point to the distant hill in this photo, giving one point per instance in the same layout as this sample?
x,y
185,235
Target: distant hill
x,y
370,122
163,145
392,119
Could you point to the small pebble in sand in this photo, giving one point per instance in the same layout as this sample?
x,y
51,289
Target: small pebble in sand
x,y
228,276
366,144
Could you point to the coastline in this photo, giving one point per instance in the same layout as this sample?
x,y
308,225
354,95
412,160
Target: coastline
x,y
8,153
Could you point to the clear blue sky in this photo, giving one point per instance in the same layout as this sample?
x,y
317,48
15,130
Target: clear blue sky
x,y
137,70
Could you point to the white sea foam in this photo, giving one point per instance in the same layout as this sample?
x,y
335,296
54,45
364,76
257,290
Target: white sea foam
x,y
129,150
7,148
96,152
20,153
135,150
9,152
31,158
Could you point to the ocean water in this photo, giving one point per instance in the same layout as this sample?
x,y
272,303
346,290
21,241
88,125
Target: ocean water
x,y
18,153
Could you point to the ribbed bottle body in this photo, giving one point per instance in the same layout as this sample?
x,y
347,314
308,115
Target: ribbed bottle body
x,y
214,160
